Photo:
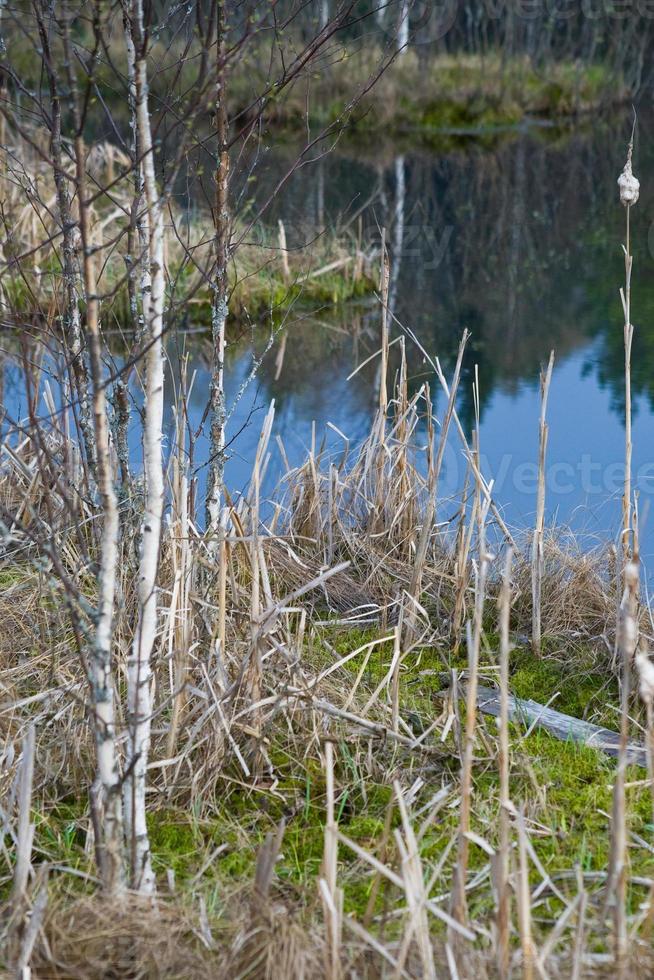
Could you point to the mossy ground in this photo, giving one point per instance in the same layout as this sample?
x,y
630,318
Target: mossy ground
x,y
565,790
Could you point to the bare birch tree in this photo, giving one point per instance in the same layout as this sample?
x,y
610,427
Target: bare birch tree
x,y
139,673
71,278
101,660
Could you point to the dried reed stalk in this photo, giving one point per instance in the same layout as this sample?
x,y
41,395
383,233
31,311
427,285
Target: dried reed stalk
x,y
459,907
182,618
416,891
627,631
332,896
434,473
462,546
537,543
646,687
25,834
384,277
629,192
580,933
617,881
524,903
503,857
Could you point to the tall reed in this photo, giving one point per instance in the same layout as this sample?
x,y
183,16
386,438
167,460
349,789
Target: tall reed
x,y
537,557
629,188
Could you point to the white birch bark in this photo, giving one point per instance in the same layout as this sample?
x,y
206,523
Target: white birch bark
x,y
139,672
71,276
140,311
110,847
100,661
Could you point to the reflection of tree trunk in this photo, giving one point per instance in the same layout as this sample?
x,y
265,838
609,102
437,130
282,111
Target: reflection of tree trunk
x,y
279,360
403,27
320,196
398,233
509,35
517,191
324,13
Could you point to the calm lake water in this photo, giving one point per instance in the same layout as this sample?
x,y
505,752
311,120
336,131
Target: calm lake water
x,y
516,238
520,241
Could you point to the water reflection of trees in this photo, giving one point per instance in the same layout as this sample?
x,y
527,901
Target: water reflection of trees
x,y
519,242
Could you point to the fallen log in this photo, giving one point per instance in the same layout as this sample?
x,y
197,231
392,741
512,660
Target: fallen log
x,y
561,726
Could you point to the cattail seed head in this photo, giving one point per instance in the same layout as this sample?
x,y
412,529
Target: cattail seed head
x,y
628,184
646,675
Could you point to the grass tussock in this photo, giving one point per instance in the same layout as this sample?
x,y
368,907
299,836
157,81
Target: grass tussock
x,y
84,938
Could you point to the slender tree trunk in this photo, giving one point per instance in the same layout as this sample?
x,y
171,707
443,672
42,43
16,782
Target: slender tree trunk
x,y
71,278
110,848
139,665
138,267
504,851
537,554
140,218
219,304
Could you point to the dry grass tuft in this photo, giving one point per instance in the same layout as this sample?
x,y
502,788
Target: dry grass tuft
x,y
275,944
131,940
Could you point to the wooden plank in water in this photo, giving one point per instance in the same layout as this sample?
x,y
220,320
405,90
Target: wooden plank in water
x,y
559,725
